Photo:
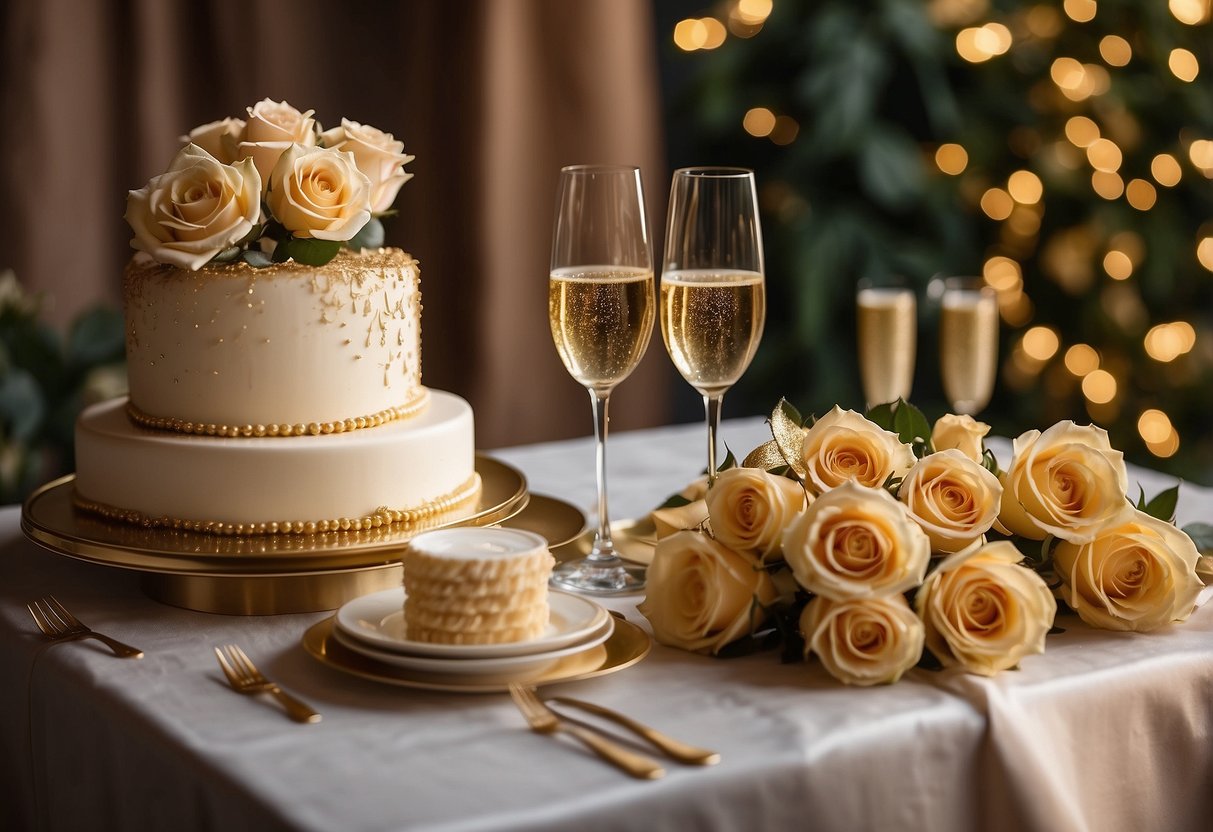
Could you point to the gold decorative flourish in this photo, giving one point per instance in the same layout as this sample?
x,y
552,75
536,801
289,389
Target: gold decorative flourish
x,y
174,425
382,517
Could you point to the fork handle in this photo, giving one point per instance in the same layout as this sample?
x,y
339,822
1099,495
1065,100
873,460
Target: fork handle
x,y
122,651
675,749
636,765
295,709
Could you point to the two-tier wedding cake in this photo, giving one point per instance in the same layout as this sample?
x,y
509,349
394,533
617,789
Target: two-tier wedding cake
x,y
273,346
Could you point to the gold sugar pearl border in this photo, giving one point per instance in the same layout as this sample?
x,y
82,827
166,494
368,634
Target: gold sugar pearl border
x,y
175,425
382,516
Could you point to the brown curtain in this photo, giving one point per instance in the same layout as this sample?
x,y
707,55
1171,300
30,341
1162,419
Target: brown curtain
x,y
493,97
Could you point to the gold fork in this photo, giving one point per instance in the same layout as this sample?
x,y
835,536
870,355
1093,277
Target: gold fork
x,y
672,748
57,624
244,677
543,720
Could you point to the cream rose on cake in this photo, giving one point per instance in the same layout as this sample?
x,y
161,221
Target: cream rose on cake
x,y
1139,575
1068,482
863,641
319,193
856,542
271,128
952,498
749,510
378,155
843,445
984,612
962,432
701,595
196,209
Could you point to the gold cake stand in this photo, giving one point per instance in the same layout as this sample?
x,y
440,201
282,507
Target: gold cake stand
x,y
276,573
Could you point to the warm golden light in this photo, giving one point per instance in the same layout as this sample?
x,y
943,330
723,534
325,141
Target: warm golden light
x,y
997,204
1067,73
1191,12
1115,50
1108,185
1166,170
1081,131
1201,154
1017,310
785,130
951,158
690,34
1183,65
1044,21
1041,343
1167,342
754,12
1131,243
1103,154
1082,360
1154,426
1167,447
1141,194
1025,187
1080,11
1099,386
716,33
978,44
1002,273
758,122
1024,220
1204,253
1118,265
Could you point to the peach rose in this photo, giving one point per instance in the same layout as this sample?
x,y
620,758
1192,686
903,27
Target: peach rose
x,y
702,596
1139,575
691,515
983,611
272,127
377,154
856,542
843,445
320,193
194,210
1067,482
221,139
750,508
962,432
863,641
952,498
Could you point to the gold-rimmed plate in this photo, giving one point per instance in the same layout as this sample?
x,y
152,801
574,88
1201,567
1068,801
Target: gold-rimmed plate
x,y
627,645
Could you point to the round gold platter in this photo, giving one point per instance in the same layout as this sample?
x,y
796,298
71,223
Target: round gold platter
x,y
627,645
269,574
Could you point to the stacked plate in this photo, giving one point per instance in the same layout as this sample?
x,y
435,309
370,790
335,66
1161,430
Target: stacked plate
x,y
373,626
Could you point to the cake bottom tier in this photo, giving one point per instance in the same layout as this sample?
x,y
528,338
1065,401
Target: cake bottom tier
x,y
405,471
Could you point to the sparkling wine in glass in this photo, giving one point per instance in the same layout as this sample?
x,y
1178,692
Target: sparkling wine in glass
x,y
600,306
888,332
968,343
713,295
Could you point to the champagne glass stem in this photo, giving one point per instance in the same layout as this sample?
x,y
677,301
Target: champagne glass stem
x,y
604,548
711,404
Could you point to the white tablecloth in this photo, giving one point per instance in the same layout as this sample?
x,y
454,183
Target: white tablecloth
x,y
1104,732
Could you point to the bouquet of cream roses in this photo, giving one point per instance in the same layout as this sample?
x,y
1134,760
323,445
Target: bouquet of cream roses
x,y
860,539
267,189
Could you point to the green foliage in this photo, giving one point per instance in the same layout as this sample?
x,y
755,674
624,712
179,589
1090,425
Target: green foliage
x,y
875,88
1162,506
370,235
306,250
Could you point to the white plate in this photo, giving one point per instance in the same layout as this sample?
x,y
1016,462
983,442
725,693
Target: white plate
x,y
377,620
513,666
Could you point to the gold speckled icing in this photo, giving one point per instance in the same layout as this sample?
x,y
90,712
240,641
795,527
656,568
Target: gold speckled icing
x,y
293,345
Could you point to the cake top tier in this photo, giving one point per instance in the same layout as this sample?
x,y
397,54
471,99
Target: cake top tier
x,y
344,263
269,188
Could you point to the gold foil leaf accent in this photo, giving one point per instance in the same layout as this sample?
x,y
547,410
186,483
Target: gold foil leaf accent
x,y
789,438
766,456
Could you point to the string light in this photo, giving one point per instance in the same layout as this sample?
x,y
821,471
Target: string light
x,y
1082,360
1081,131
1204,253
758,122
1141,194
1115,50
1201,154
754,12
1041,343
1099,386
1108,185
1166,170
692,34
1183,65
1025,187
1080,11
1131,243
785,130
951,159
1118,265
1044,21
1002,274
1167,342
1103,154
1191,12
1154,426
997,204
1166,448
978,44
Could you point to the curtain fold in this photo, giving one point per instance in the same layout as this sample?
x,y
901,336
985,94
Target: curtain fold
x,y
492,96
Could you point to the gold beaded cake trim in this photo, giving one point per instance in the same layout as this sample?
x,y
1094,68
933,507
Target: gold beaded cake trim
x,y
175,425
381,517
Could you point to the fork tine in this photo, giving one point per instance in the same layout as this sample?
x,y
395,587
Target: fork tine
x,y
518,694
232,677
52,615
63,612
250,670
43,624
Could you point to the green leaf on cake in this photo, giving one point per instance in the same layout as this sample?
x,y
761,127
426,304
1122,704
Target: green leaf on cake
x,y
228,255
1202,536
369,236
306,251
257,258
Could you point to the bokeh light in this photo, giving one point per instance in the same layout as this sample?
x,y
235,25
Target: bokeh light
x,y
1099,386
997,204
1183,65
1141,194
1025,187
1204,253
1118,265
699,33
1080,11
1108,185
1167,342
1154,426
951,158
1082,359
1191,12
1166,170
758,122
1115,50
1081,131
1041,343
1103,154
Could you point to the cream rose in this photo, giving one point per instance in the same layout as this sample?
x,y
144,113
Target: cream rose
x,y
749,509
843,445
691,515
272,127
194,210
952,498
319,193
983,611
1137,575
856,542
221,139
963,432
863,641
701,595
1067,482
378,154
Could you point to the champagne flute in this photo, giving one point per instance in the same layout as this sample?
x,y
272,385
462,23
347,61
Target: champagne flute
x,y
968,343
713,294
600,306
888,332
